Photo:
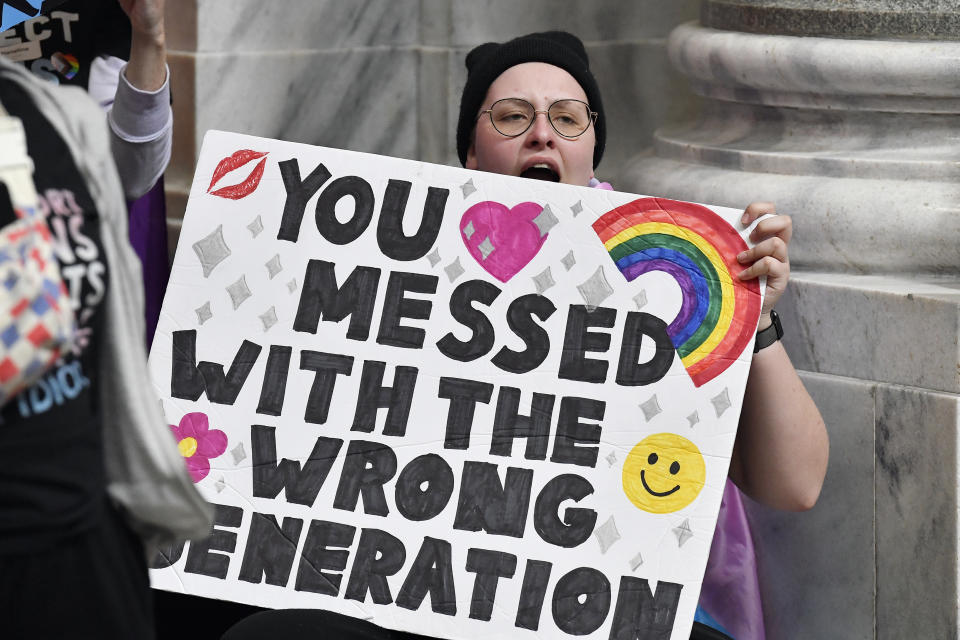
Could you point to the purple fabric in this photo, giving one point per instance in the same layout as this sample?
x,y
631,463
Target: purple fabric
x,y
148,235
731,591
596,184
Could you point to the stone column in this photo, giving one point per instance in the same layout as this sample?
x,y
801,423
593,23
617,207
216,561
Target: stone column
x,y
846,115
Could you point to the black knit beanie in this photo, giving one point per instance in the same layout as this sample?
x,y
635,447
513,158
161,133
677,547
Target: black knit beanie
x,y
486,62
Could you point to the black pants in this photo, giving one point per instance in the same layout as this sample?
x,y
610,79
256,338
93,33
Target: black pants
x,y
93,585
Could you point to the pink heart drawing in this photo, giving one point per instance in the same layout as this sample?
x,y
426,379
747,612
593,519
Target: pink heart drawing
x,y
502,240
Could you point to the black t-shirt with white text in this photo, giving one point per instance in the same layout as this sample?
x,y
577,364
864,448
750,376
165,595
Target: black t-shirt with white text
x,y
60,44
52,480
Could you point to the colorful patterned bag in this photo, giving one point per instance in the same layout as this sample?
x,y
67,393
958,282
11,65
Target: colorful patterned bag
x,y
36,320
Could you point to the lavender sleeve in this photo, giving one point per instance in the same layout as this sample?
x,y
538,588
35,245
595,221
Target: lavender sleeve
x,y
141,125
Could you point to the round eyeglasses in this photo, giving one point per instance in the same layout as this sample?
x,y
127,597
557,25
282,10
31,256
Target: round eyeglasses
x,y
513,116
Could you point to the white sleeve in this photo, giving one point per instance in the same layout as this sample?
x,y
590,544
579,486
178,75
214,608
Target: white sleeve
x,y
104,77
141,125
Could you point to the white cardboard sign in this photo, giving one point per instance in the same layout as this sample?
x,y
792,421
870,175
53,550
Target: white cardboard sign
x,y
450,402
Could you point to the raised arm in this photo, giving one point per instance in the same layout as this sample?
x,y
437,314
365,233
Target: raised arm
x,y
780,455
140,119
147,69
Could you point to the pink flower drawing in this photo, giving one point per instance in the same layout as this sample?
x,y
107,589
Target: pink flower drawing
x,y
198,443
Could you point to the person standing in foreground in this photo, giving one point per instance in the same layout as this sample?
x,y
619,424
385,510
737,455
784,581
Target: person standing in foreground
x,y
90,477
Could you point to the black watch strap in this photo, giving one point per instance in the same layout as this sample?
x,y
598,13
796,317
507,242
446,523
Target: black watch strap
x,y
769,335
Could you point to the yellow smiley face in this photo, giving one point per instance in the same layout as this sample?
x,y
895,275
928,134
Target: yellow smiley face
x,y
663,473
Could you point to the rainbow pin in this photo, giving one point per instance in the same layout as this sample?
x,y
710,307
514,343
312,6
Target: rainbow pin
x,y
65,64
719,313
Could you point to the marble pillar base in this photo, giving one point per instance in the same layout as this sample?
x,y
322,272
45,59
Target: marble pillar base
x,y
893,330
850,18
854,138
877,556
854,225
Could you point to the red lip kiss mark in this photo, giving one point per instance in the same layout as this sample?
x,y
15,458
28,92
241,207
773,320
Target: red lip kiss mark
x,y
237,160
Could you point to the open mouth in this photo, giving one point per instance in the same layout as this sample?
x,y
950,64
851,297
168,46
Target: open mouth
x,y
659,494
541,171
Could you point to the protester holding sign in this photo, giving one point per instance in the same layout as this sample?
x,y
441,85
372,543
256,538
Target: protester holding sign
x,y
781,447
780,454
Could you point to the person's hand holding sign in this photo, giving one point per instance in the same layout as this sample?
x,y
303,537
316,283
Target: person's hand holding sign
x,y
769,257
148,49
780,456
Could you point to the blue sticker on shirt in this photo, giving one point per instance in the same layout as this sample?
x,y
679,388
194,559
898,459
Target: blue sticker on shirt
x,y
16,11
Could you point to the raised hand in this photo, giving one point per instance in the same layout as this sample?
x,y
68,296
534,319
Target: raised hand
x,y
148,53
146,16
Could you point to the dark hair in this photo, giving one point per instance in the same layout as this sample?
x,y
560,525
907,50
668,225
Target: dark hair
x,y
486,62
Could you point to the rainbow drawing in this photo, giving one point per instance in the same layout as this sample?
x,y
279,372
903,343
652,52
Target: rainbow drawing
x,y
719,313
65,64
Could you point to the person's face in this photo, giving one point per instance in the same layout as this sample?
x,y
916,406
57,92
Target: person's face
x,y
540,152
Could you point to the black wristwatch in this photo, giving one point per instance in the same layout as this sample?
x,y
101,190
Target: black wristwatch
x,y
769,335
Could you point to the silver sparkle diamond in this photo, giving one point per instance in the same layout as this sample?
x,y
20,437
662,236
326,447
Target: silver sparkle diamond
x,y
650,408
611,458
545,220
640,299
467,187
595,289
239,291
256,226
607,534
454,270
433,257
635,562
238,453
693,418
721,402
486,247
543,280
683,532
203,312
269,318
292,285
220,484
577,208
273,266
211,250
568,260
469,230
